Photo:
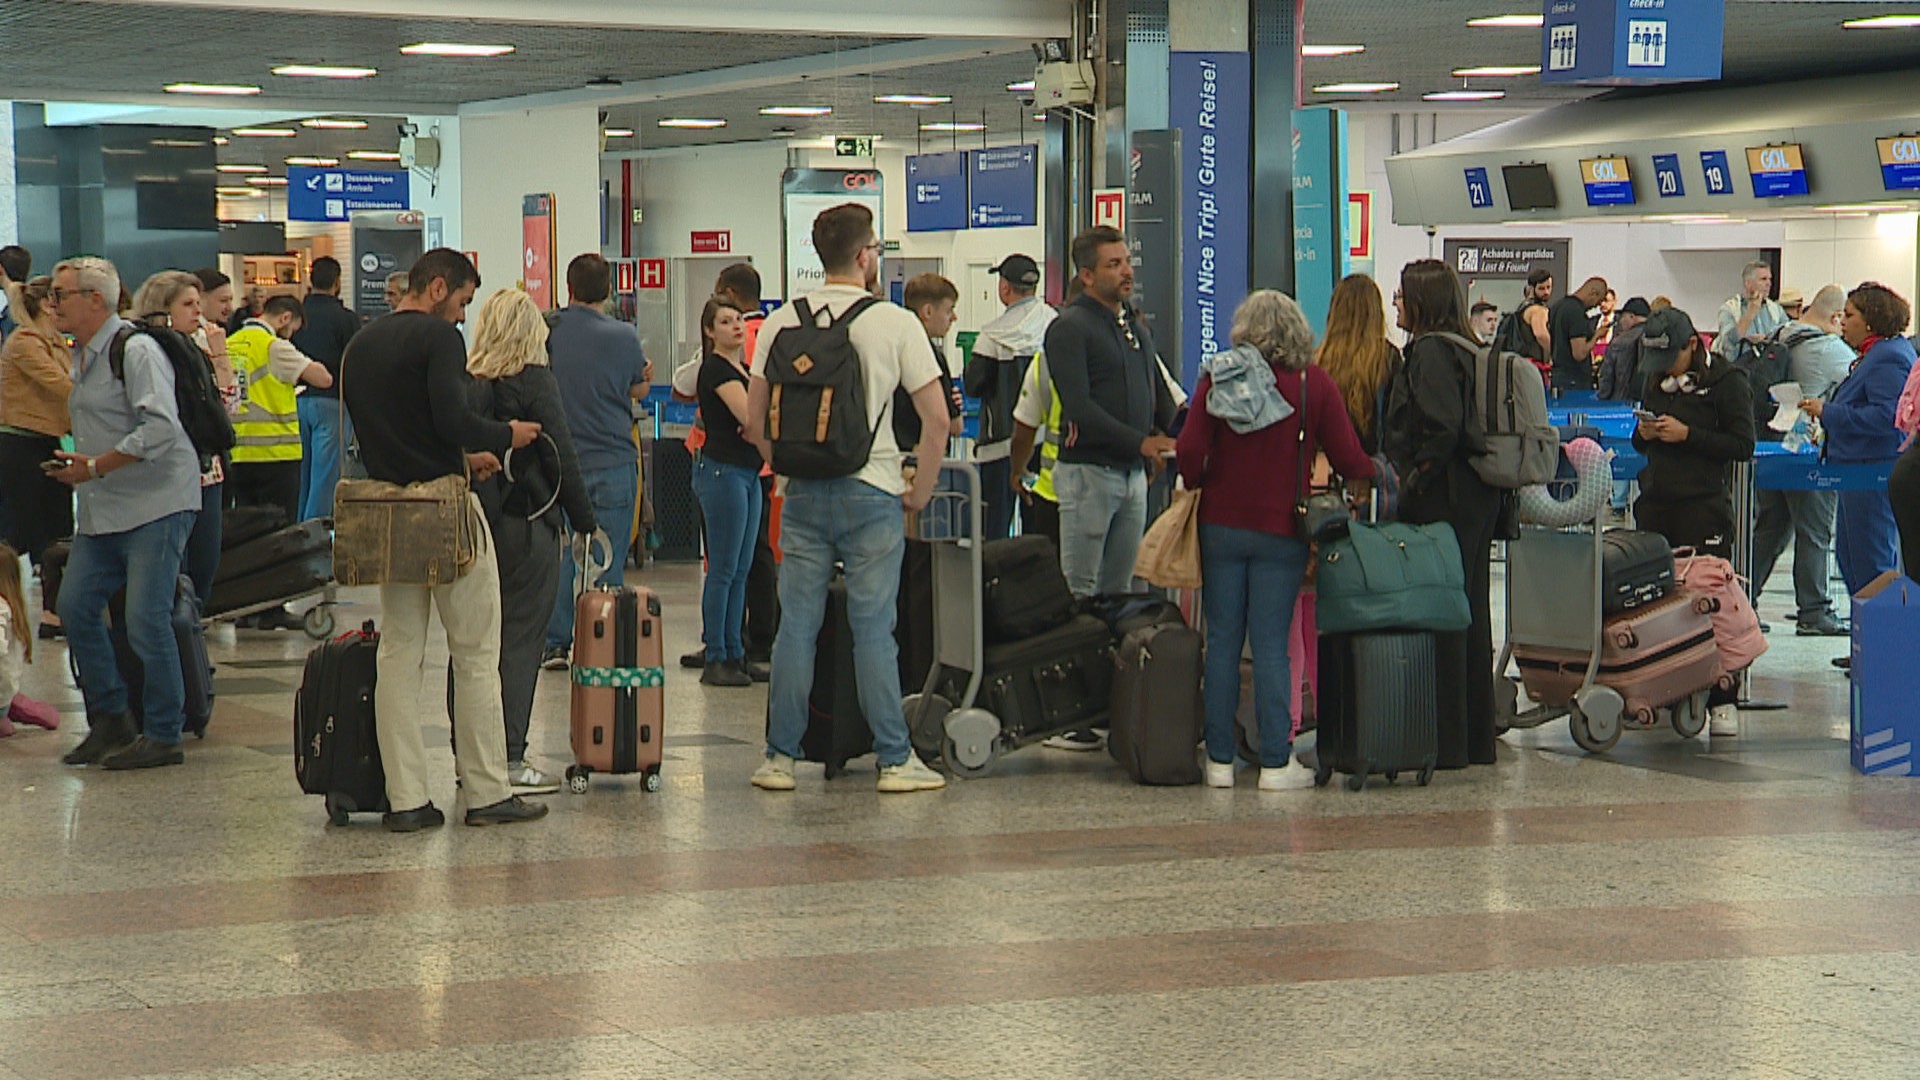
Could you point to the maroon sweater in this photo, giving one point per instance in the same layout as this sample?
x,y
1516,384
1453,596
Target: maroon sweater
x,y
1251,480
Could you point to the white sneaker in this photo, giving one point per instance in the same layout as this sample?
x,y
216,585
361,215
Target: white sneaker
x,y
1724,721
774,774
910,775
527,780
1080,741
1291,777
1219,774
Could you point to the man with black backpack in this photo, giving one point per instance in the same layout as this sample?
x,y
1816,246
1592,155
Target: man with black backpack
x,y
1524,330
137,477
825,371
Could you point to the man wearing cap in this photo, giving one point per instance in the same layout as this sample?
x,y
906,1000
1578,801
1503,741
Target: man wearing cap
x,y
1001,355
1618,370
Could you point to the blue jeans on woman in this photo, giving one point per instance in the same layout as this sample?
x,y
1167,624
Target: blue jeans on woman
x,y
730,503
146,562
202,558
1251,579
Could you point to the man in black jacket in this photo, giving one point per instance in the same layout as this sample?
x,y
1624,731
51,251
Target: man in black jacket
x,y
323,336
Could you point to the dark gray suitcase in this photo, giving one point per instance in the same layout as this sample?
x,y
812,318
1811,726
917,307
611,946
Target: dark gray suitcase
x,y
1378,711
299,577
1638,569
1156,718
1026,593
263,553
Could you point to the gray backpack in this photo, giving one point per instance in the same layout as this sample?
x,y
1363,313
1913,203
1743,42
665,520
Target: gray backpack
x,y
1510,410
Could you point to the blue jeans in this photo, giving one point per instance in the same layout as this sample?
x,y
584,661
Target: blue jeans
x,y
1251,581
323,435
146,562
1865,538
1103,515
730,503
844,521
201,560
612,492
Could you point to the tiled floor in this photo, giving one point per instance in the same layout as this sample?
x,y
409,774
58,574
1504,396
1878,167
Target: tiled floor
x,y
1727,908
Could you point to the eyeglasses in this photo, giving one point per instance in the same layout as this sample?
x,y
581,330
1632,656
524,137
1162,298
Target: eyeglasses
x,y
59,294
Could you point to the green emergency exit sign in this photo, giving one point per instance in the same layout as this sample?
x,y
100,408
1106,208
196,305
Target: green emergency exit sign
x,y
853,146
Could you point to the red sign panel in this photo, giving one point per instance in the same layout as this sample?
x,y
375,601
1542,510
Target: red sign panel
x,y
1110,208
623,276
713,242
536,248
1360,224
653,273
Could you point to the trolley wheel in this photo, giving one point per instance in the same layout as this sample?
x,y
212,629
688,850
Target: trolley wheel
x,y
1393,776
1595,734
1357,782
319,622
1322,776
927,723
1506,705
1426,776
1690,715
336,814
577,780
971,743
652,780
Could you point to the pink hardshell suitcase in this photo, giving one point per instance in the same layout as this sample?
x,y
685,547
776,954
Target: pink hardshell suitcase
x,y
1653,656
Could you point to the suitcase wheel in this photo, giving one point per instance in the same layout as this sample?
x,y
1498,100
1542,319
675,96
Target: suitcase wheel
x,y
1358,781
1393,776
1426,776
652,780
1322,776
577,779
336,814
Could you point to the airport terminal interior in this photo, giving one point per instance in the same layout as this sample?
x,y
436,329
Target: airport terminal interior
x,y
1713,883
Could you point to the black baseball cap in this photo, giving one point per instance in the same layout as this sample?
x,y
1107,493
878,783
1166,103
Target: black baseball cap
x,y
1020,270
1637,306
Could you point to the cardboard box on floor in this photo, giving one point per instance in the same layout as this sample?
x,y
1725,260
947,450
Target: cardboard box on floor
x,y
1886,681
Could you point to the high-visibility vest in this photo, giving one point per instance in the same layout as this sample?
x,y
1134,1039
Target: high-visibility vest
x,y
267,425
1049,436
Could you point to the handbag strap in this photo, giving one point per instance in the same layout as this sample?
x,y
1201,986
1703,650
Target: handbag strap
x,y
1305,463
506,469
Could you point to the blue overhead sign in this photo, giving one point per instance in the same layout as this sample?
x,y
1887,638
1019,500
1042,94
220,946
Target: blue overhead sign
x,y
1666,176
936,192
1210,97
1719,174
1003,187
1631,42
1608,181
1479,190
1900,163
1777,171
333,194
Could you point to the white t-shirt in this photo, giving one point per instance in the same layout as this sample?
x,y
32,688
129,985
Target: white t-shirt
x,y
894,354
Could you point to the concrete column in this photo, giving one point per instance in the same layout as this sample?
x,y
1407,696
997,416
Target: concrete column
x,y
507,156
9,201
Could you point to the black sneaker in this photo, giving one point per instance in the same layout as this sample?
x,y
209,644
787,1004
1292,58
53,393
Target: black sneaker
x,y
278,619
50,632
145,753
1823,626
694,660
422,817
1844,663
107,735
507,811
757,671
725,673
554,660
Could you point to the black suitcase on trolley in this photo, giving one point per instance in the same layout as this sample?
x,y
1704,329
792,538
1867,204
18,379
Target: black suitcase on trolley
x,y
1378,708
1057,681
1637,569
336,750
244,524
274,549
1026,594
304,574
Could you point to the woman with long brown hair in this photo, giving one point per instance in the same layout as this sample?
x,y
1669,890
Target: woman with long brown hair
x,y
36,375
1357,354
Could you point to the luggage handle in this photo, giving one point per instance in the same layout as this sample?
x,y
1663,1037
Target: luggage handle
x,y
587,568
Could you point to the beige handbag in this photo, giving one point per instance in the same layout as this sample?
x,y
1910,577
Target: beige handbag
x,y
389,534
1170,552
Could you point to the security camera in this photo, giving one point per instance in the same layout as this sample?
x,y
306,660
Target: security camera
x,y
1026,103
407,128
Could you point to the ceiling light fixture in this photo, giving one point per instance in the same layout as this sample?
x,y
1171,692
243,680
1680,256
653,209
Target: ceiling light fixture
x,y
238,192
1020,87
241,168
1496,71
913,99
214,89
178,144
1882,22
313,162
221,140
1508,22
265,133
618,133
797,110
321,123
324,71
953,125
267,181
1464,95
1331,50
1356,88
373,155
691,123
446,48
1862,208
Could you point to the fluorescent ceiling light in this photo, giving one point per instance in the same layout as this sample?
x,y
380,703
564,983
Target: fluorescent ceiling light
x,y
215,89
324,71
1883,22
1496,71
1331,50
1356,88
691,123
951,125
1020,87
1862,208
322,123
178,144
265,133
618,133
313,162
447,48
1464,95
1509,22
267,181
238,192
797,110
1040,116
241,168
221,140
373,155
913,99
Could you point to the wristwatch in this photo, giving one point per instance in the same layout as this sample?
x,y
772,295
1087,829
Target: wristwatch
x,y
93,468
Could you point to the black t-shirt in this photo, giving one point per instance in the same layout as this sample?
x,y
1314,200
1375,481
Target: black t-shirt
x,y
906,418
725,444
324,335
407,392
1566,320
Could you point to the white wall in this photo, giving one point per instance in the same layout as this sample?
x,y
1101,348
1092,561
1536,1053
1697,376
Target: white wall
x,y
440,196
1849,250
509,155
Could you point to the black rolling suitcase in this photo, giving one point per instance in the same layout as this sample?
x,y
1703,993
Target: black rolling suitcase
x,y
1638,569
913,623
1157,719
304,574
1026,594
244,524
1058,681
189,637
263,553
1378,711
837,729
336,751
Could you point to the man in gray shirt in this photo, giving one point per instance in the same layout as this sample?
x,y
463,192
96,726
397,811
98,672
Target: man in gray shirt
x,y
1820,361
137,477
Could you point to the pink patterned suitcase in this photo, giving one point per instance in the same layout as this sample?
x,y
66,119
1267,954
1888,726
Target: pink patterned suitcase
x,y
1653,656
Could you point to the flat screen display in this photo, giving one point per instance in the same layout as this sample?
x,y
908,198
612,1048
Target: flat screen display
x,y
1777,171
171,205
1900,163
1529,187
1608,180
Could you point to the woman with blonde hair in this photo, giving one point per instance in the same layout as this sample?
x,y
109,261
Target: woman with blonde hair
x,y
1357,354
524,504
1246,448
171,299
36,375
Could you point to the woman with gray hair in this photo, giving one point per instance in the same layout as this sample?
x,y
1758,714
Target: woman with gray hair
x,y
1259,414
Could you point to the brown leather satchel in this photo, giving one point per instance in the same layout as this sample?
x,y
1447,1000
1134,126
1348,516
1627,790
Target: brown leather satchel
x,y
387,534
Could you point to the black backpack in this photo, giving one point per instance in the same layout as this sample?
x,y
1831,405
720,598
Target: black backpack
x,y
1515,336
203,414
1768,362
817,413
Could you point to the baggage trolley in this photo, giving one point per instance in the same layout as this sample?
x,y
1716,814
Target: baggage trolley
x,y
318,620
1554,585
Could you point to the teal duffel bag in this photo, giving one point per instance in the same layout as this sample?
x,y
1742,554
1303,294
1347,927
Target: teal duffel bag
x,y
1392,576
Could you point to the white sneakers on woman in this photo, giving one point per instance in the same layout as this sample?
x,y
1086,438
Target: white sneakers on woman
x,y
1291,777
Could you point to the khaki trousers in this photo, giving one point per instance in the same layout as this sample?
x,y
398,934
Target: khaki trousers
x,y
469,610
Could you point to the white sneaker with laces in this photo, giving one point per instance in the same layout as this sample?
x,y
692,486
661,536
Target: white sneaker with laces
x,y
1079,741
910,775
1724,721
1219,774
774,774
1291,777
527,780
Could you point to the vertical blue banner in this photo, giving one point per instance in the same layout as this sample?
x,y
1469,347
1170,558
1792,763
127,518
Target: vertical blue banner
x,y
1319,209
1210,97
